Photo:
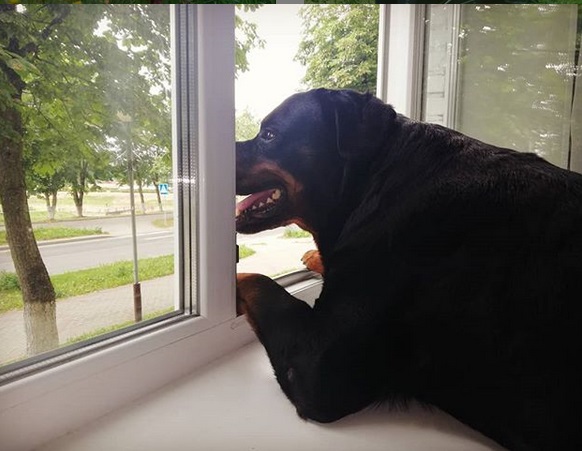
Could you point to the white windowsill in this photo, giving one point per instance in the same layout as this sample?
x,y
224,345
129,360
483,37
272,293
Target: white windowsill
x,y
236,404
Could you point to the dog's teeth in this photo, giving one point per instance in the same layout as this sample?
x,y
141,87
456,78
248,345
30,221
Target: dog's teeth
x,y
270,201
261,205
276,195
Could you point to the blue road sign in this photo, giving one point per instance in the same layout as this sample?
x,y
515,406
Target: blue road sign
x,y
163,187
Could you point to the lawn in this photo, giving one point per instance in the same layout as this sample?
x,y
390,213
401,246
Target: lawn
x,y
54,233
84,281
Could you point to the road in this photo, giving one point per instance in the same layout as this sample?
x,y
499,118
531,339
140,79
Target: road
x,y
70,255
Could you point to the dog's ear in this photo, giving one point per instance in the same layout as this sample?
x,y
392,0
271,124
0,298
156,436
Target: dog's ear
x,y
361,122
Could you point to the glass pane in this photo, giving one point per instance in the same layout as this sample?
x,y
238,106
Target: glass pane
x,y
507,76
271,77
297,48
96,143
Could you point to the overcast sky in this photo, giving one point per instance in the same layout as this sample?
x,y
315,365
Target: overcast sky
x,y
273,75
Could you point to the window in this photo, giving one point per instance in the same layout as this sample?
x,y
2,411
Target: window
x,y
118,95
423,71
98,155
279,251
85,385
508,75
296,46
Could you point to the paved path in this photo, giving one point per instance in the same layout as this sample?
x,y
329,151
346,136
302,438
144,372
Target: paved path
x,y
87,313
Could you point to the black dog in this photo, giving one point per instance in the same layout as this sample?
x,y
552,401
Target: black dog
x,y
453,270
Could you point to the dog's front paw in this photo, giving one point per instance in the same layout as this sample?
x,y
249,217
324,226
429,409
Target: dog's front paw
x,y
312,261
250,289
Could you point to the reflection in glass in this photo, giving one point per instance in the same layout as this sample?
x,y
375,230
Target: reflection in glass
x,y
508,73
94,99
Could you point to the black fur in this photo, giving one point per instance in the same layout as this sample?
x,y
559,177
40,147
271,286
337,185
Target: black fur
x,y
453,273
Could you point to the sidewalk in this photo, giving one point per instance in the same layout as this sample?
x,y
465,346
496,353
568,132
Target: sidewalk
x,y
84,314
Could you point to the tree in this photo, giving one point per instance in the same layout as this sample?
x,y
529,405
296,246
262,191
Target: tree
x,y
247,126
20,41
514,94
56,80
339,46
246,39
66,73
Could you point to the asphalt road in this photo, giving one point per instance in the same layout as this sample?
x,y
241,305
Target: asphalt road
x,y
70,255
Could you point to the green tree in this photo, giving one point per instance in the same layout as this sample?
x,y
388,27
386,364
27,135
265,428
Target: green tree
x,y
247,38
21,40
515,92
66,74
62,86
339,46
247,126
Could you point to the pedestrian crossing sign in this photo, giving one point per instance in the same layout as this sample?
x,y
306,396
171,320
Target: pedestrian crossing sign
x,y
163,187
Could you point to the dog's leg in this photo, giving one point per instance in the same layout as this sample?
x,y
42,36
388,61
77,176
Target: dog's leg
x,y
325,376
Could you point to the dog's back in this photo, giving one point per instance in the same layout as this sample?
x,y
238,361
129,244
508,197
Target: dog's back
x,y
477,252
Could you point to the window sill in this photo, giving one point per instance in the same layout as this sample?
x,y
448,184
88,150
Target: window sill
x,y
235,403
43,406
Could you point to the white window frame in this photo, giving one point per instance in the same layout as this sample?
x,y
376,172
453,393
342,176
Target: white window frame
x,y
45,405
400,57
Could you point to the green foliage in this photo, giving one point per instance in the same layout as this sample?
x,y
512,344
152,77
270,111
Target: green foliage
x,y
244,251
246,39
516,92
247,126
294,233
9,281
339,46
72,71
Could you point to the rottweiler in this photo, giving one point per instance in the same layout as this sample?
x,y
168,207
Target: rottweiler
x,y
452,270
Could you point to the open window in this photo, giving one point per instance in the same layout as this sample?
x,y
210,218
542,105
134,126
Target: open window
x,y
430,60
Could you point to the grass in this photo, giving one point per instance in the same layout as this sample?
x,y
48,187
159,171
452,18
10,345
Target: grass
x,y
54,233
109,200
164,223
244,251
85,281
294,233
107,329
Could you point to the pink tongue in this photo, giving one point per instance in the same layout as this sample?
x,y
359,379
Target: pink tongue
x,y
254,199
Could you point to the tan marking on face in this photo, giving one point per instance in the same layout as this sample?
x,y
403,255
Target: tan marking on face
x,y
269,171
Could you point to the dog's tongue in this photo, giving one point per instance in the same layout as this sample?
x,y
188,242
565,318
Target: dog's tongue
x,y
253,199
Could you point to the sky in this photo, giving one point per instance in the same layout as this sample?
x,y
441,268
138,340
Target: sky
x,y
273,75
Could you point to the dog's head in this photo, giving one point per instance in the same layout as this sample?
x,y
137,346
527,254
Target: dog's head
x,y
296,169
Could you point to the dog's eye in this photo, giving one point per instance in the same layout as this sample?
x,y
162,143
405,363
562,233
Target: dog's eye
x,y
267,135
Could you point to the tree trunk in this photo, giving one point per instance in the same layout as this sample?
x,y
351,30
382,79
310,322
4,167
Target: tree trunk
x,y
78,189
37,290
51,205
78,199
141,197
159,197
